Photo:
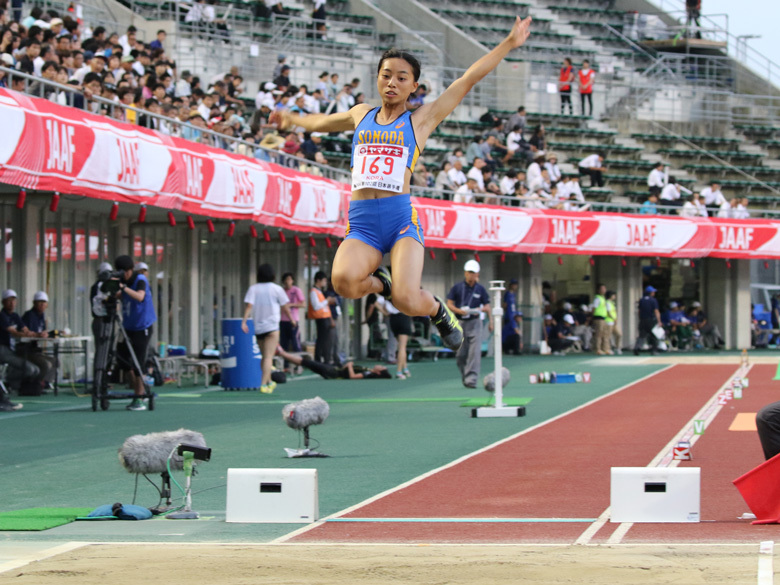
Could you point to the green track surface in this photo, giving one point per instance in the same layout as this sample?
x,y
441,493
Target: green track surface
x,y
381,433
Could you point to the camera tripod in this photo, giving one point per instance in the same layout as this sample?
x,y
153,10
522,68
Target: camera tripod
x,y
104,358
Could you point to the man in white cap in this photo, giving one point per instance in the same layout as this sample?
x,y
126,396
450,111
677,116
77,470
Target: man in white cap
x,y
141,268
21,372
35,321
469,300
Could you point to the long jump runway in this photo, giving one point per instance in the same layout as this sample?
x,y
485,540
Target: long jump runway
x,y
551,483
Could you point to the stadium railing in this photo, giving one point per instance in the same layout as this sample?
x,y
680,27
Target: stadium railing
x,y
185,129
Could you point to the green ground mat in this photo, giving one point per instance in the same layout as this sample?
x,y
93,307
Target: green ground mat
x,y
40,518
489,401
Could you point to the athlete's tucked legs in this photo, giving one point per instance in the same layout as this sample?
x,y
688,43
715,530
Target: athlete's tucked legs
x,y
352,268
406,259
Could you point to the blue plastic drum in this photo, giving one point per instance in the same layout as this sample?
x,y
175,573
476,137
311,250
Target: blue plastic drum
x,y
240,356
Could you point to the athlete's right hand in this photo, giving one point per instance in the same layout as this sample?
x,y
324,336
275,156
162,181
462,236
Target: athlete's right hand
x,y
281,118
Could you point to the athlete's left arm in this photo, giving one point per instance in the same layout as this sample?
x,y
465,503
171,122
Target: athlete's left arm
x,y
428,116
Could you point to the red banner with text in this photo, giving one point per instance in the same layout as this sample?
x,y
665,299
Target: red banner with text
x,y
48,147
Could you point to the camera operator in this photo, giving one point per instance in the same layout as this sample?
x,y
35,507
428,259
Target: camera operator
x,y
100,314
138,316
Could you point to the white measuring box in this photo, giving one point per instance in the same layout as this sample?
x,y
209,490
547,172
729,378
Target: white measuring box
x,y
655,494
272,495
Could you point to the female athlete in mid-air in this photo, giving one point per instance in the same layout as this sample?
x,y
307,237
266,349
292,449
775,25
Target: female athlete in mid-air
x,y
385,147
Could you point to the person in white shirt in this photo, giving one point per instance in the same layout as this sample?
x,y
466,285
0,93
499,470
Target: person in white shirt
x,y
265,302
442,182
694,208
740,208
593,166
465,193
724,210
656,180
534,171
345,100
670,195
574,205
514,143
712,196
508,182
456,174
575,189
457,154
475,172
552,167
183,87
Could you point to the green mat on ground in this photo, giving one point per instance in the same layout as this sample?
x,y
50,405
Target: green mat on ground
x,y
40,518
489,401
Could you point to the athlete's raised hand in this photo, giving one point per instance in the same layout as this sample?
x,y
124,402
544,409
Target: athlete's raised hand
x,y
281,118
520,31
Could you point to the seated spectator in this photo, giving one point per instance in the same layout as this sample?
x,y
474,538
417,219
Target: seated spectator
x,y
656,180
670,194
558,335
22,375
713,198
694,207
593,166
35,321
650,206
724,209
678,326
475,172
517,119
474,149
465,193
457,154
739,208
582,327
312,145
534,171
456,174
443,182
418,97
708,333
538,140
516,145
552,168
508,182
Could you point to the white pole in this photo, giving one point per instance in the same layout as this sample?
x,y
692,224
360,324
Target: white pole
x,y
498,313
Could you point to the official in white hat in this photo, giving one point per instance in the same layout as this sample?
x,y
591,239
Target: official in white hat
x,y
471,303
35,321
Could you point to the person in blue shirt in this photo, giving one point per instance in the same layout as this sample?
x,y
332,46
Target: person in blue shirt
x,y
468,300
21,372
35,321
649,207
138,317
649,317
512,333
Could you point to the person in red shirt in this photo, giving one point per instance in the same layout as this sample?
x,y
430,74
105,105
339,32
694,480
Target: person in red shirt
x,y
565,79
586,76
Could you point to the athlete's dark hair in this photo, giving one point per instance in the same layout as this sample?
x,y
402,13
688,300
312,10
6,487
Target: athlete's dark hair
x,y
398,54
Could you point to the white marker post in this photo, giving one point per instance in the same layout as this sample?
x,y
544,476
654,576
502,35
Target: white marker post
x,y
498,409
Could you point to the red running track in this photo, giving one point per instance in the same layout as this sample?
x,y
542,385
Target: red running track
x,y
562,470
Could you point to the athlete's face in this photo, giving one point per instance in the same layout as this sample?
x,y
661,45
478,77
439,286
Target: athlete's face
x,y
396,81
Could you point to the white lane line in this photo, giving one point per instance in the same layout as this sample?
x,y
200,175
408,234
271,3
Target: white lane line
x,y
591,531
766,569
665,457
40,555
386,493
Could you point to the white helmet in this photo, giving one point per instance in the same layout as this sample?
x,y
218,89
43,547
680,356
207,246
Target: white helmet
x,y
471,266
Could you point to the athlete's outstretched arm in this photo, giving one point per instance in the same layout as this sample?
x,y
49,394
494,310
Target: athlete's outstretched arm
x,y
428,116
341,122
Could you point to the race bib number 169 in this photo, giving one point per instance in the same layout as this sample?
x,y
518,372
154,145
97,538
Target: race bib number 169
x,y
379,166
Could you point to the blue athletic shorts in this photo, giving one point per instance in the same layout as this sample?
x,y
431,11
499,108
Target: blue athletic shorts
x,y
380,223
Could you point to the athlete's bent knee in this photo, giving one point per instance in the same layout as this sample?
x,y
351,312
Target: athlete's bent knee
x,y
346,284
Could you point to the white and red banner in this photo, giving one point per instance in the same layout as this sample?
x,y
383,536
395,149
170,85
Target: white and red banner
x,y
48,147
